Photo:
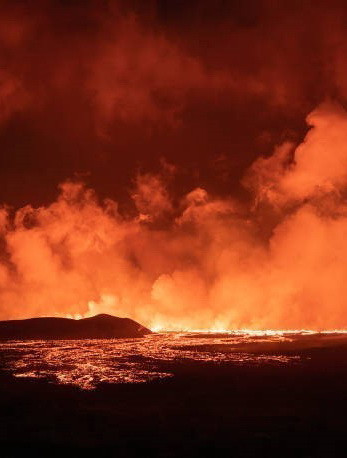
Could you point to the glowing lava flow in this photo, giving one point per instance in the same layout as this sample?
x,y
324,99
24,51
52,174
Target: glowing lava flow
x,y
90,362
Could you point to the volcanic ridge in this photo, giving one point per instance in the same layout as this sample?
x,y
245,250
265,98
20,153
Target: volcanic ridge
x,y
101,326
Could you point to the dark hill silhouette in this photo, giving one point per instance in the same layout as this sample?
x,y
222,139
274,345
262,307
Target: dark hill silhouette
x,y
97,327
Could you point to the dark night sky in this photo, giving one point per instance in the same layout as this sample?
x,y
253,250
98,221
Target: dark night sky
x,y
102,90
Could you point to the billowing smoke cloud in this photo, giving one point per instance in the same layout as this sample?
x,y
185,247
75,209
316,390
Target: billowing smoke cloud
x,y
228,236
211,267
319,167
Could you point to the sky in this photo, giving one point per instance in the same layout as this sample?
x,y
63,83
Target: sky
x,y
181,163
103,89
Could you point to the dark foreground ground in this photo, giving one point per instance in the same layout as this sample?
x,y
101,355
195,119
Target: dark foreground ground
x,y
205,410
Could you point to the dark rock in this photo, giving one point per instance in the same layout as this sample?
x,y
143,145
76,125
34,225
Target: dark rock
x,y
97,327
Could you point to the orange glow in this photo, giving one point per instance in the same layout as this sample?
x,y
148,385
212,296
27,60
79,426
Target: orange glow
x,y
213,267
69,362
112,360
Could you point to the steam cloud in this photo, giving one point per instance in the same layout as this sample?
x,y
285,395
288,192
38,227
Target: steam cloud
x,y
213,266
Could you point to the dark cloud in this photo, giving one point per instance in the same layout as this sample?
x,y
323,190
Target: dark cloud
x,y
105,89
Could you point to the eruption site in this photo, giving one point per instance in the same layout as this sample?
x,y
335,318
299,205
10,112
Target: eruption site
x,y
204,262
202,171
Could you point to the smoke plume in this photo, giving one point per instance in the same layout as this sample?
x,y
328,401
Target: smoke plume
x,y
211,267
202,183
